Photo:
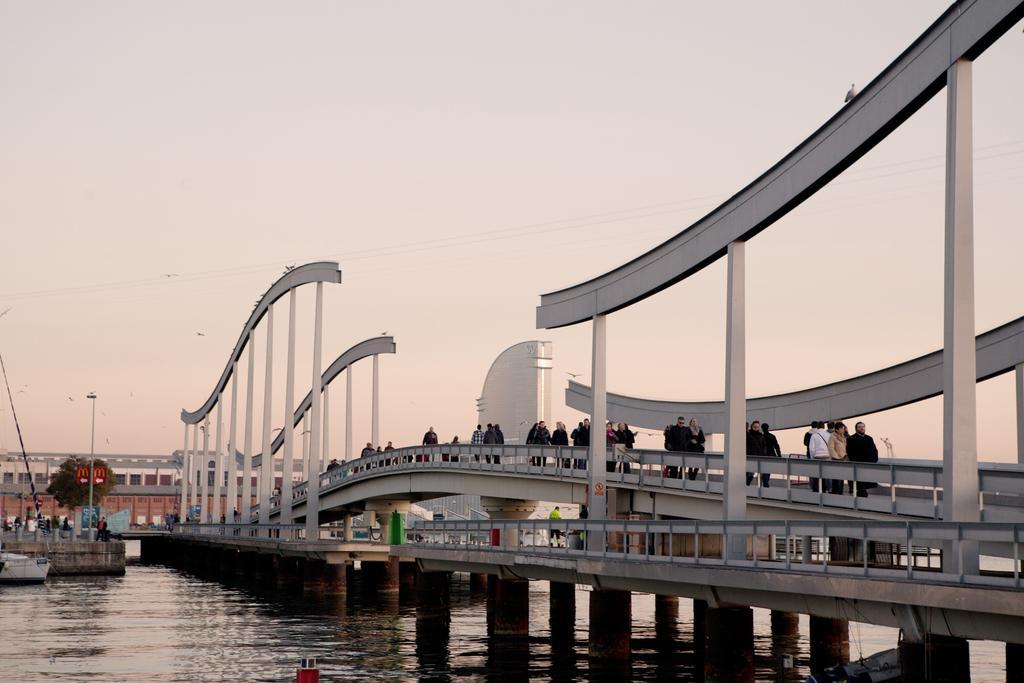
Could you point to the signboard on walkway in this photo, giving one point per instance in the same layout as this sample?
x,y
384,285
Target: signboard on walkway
x,y
85,515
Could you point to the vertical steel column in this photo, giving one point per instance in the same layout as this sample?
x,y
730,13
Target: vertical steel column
x,y
305,442
218,470
326,455
193,472
597,494
245,512
204,504
185,465
231,505
348,412
289,420
375,403
735,487
267,458
960,440
1020,414
313,473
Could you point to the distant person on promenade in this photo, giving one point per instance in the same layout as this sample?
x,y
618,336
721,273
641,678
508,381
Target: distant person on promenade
x,y
367,450
430,438
500,435
675,441
556,534
695,441
771,442
389,447
756,448
102,530
531,434
478,437
861,448
817,449
837,451
560,437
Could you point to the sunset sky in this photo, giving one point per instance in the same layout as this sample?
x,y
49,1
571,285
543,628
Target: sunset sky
x,y
458,159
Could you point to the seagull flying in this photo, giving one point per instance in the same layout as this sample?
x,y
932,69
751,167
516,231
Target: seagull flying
x,y
170,275
574,375
851,93
384,333
6,311
200,334
290,268
71,399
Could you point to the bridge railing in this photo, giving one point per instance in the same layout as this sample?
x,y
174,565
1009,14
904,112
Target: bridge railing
x,y
275,532
911,488
884,550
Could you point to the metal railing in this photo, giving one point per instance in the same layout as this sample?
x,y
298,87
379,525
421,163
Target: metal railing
x,y
909,488
843,548
275,532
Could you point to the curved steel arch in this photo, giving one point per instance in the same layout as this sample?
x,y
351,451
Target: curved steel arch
x,y
320,271
965,30
999,350
364,349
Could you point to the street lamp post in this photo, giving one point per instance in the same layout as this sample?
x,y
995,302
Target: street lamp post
x,y
92,457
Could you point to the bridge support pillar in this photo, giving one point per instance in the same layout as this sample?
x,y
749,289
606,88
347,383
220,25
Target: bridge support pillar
x,y
700,624
336,578
729,644
939,659
562,613
381,576
347,527
407,576
289,572
477,583
314,575
830,642
611,625
228,562
511,608
666,619
785,623
1014,662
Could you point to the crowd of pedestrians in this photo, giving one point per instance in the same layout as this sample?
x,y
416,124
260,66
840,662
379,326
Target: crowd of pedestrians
x,y
830,441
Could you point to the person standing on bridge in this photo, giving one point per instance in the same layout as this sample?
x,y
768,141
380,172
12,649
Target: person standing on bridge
x,y
541,437
837,451
560,437
817,449
861,448
756,448
771,443
582,440
478,437
430,438
694,444
675,441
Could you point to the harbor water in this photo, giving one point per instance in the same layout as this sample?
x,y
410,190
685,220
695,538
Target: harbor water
x,y
157,623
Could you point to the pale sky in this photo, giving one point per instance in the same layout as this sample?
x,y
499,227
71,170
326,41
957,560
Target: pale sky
x,y
459,159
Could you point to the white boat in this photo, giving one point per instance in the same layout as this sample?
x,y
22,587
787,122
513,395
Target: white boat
x,y
15,569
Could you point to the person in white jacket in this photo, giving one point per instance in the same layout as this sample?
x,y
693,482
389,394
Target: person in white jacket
x,y
817,448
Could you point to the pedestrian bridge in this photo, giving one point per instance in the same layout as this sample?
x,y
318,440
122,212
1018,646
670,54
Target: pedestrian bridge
x,y
789,566
906,489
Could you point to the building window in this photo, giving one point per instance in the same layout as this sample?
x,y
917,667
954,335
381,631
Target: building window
x,y
8,477
41,478
135,479
119,479
23,478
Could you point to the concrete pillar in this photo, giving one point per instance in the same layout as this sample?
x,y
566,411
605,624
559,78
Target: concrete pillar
x,y
700,622
729,644
939,659
511,608
666,622
336,578
375,403
1019,377
433,622
477,583
610,624
288,469
959,367
313,473
245,511
381,577
562,612
314,575
348,413
597,500
231,506
785,623
830,642
290,572
346,527
735,486
186,465
218,459
325,454
267,458
204,504
407,573
192,473
1014,662
228,563
433,591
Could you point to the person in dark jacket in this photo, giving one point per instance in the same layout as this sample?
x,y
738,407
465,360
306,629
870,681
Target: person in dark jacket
x,y
430,438
583,434
500,434
490,439
771,443
532,433
756,447
541,437
675,440
627,437
559,437
695,441
575,436
861,448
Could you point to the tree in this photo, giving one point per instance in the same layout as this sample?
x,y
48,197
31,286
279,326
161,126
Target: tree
x,y
66,488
